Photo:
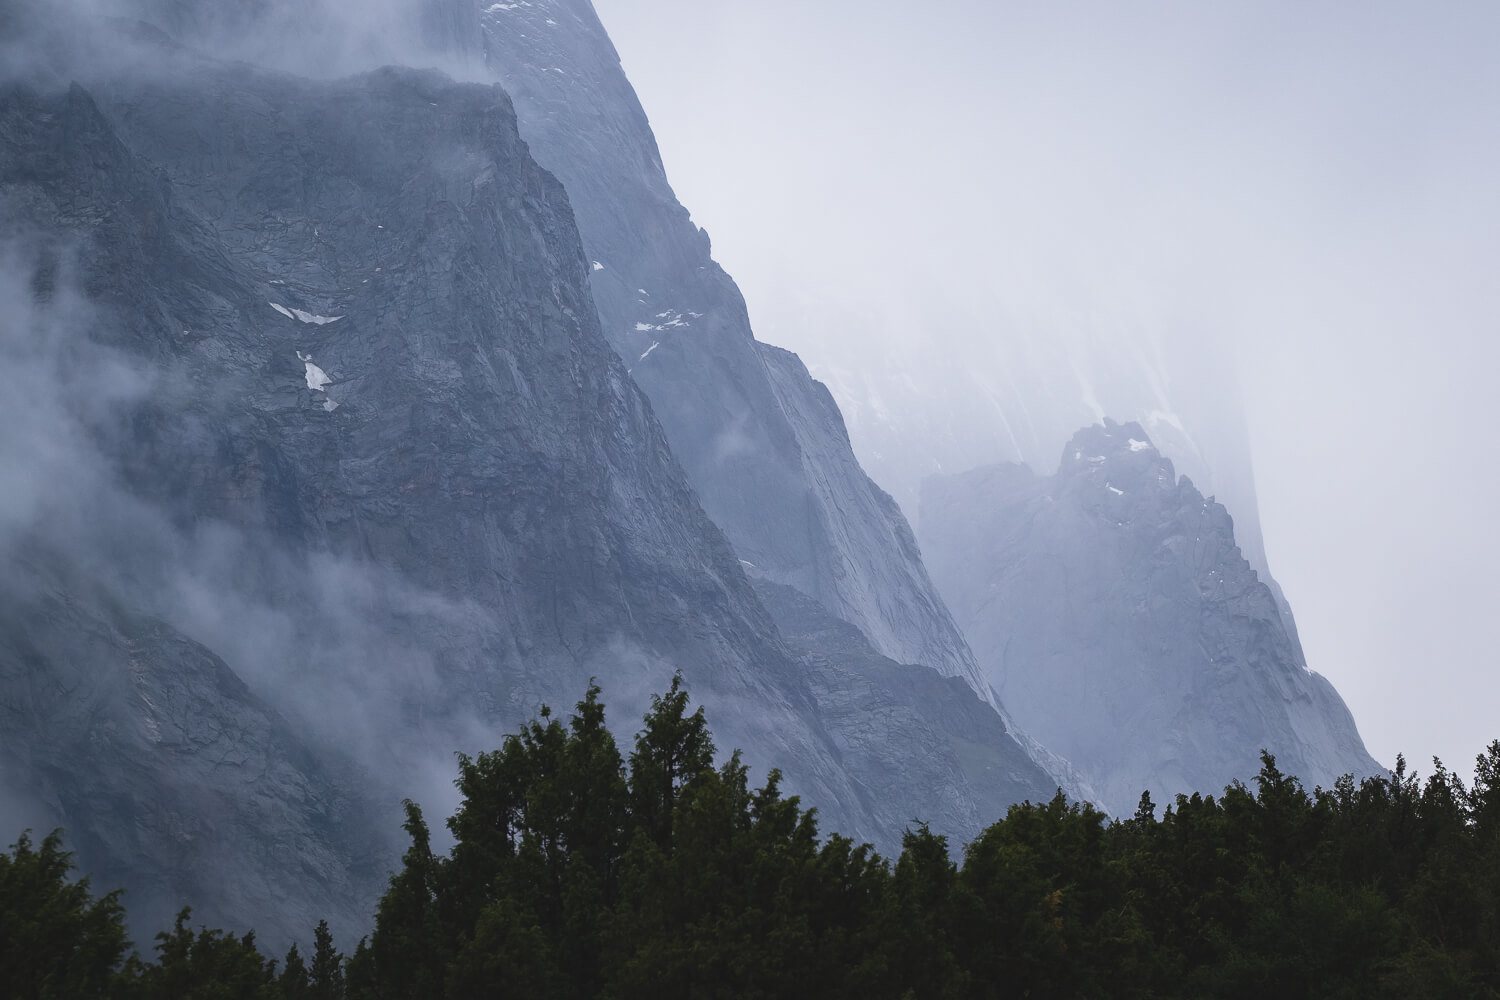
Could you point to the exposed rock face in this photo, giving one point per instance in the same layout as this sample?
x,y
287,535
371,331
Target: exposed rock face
x,y
938,754
761,441
394,474
1120,623
172,780
359,482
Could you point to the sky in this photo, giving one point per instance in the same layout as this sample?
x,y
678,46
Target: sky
x,y
1308,193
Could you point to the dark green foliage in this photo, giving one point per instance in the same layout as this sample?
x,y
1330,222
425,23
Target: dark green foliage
x,y
412,956
207,965
326,977
56,940
359,973
293,981
577,872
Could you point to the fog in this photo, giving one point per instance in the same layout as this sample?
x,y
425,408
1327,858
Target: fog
x,y
342,642
1270,233
985,223
358,657
51,42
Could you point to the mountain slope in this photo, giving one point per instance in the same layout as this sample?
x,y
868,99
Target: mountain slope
x,y
407,525
171,778
762,443
322,410
938,753
1120,623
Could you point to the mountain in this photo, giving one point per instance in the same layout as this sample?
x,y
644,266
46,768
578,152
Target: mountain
x,y
387,468
920,746
319,468
763,443
919,404
167,772
1122,625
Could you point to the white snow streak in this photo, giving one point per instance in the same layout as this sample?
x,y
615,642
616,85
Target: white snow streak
x,y
317,378
305,317
670,320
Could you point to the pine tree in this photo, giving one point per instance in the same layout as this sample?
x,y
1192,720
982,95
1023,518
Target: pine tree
x,y
671,750
594,828
56,940
293,981
327,973
361,980
573,875
207,965
408,948
924,906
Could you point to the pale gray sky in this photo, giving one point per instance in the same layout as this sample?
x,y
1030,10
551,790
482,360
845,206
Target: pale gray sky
x,y
1313,190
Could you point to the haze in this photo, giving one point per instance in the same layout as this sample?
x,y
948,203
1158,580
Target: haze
x,y
1300,202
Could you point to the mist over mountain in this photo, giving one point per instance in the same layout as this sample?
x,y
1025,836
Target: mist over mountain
x,y
1117,617
1280,221
365,387
320,468
763,444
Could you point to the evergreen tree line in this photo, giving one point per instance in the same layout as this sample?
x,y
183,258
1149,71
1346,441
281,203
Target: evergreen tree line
x,y
578,872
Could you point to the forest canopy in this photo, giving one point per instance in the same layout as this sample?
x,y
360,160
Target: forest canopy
x,y
581,871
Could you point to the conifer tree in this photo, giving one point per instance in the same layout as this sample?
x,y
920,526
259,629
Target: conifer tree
x,y
576,875
671,750
293,980
409,955
56,940
326,977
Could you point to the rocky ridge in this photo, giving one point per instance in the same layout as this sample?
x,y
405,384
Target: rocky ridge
x,y
379,490
1121,624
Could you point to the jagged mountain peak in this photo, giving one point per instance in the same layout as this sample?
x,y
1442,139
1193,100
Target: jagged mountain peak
x,y
762,442
1111,606
1108,439
392,472
1117,458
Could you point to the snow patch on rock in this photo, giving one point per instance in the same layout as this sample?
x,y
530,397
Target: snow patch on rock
x,y
304,316
317,378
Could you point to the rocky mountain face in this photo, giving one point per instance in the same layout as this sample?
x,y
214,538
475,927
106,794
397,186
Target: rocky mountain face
x,y
319,467
764,443
938,753
385,466
167,772
761,441
1121,624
